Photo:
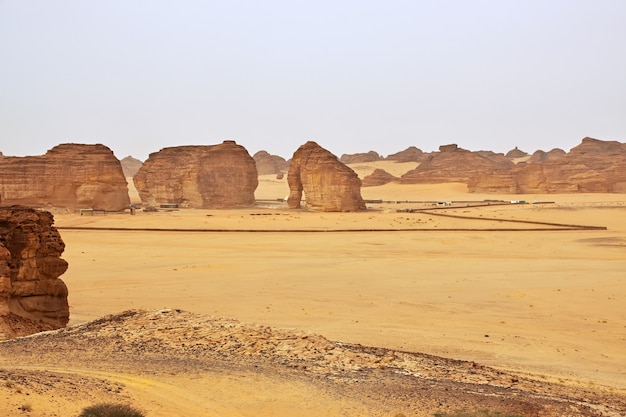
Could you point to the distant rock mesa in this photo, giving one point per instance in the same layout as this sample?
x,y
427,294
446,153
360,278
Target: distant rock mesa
x,y
328,184
130,166
32,297
270,164
594,166
211,176
70,176
378,177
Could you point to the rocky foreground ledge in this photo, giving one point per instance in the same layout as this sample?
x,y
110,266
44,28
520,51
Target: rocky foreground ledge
x,y
167,342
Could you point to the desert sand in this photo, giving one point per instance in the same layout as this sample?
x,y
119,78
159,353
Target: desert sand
x,y
538,299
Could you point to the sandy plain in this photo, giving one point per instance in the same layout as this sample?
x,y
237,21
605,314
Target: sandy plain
x,y
535,298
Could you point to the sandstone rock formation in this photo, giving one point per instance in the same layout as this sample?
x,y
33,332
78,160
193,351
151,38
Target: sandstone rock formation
x,y
453,164
541,156
410,154
32,297
270,164
358,158
211,176
592,166
516,153
71,176
130,166
378,177
328,184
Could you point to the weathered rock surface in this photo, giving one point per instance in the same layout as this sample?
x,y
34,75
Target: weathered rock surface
x,y
378,177
358,158
32,297
592,166
453,164
328,184
130,166
410,154
270,164
211,176
516,153
541,156
70,176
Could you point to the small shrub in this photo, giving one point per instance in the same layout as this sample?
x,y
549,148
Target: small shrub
x,y
111,410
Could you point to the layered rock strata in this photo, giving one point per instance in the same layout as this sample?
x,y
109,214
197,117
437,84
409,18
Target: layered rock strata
x,y
32,297
592,166
210,176
327,183
453,164
71,176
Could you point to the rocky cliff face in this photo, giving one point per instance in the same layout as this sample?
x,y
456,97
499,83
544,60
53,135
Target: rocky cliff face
x,y
71,176
328,184
453,164
270,164
592,166
212,176
32,297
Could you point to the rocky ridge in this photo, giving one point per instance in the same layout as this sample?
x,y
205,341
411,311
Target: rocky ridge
x,y
593,166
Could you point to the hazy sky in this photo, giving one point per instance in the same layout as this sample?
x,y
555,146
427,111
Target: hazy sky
x,y
354,76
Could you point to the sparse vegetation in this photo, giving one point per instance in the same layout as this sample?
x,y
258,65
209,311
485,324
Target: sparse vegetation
x,y
479,413
111,410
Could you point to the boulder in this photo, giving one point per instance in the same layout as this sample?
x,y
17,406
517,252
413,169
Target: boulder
x,y
378,177
328,184
32,297
358,158
270,164
211,176
410,154
71,176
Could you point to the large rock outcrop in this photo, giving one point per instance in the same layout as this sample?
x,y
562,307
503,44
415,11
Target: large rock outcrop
x,y
209,176
410,154
70,176
592,166
328,184
32,297
270,164
358,158
378,177
453,164
130,166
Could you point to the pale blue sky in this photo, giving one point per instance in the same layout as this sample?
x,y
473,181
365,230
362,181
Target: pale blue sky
x,y
352,75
